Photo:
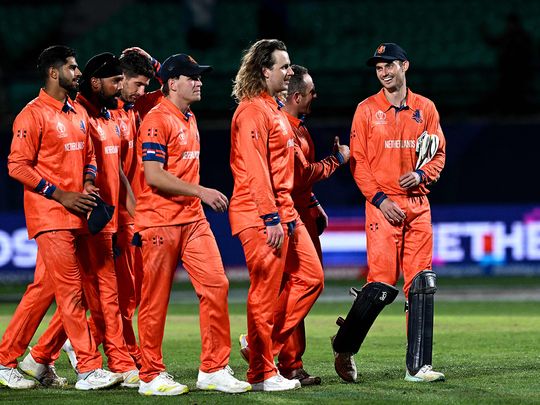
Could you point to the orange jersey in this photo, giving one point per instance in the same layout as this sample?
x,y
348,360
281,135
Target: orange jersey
x,y
129,121
383,145
104,129
51,148
306,170
262,162
169,137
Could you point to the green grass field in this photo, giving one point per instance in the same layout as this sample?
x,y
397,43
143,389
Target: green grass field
x,y
489,352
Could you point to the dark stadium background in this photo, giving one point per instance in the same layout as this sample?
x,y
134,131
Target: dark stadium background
x,y
478,61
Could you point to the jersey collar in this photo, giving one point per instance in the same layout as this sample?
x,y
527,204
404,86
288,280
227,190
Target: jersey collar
x,y
125,106
384,104
175,110
66,106
270,100
294,121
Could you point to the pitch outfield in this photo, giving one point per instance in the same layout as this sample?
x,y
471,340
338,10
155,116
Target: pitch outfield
x,y
489,352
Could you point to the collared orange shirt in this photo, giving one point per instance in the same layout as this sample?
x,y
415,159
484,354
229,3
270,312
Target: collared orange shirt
x,y
306,170
105,133
51,148
262,163
170,137
383,144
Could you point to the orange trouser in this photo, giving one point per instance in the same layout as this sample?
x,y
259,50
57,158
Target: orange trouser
x,y
195,245
290,356
59,251
31,309
128,290
407,248
275,310
101,296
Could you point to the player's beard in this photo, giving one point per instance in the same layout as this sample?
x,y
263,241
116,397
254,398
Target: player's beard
x,y
71,86
111,102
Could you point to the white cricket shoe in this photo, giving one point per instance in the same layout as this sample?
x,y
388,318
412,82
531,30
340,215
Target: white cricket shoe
x,y
276,383
163,384
425,374
10,377
98,379
44,373
131,379
70,353
222,380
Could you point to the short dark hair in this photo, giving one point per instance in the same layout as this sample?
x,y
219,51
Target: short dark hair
x,y
134,64
296,82
53,56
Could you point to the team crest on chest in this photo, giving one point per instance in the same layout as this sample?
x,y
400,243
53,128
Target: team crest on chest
x,y
417,116
82,127
61,130
117,130
380,118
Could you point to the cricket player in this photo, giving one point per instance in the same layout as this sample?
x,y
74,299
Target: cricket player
x,y
138,72
262,215
172,226
307,171
52,155
388,138
101,83
138,68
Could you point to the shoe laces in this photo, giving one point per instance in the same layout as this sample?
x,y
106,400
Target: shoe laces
x,y
167,376
99,373
226,376
279,378
426,369
15,375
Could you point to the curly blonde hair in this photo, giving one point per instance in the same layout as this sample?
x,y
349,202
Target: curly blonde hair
x,y
249,81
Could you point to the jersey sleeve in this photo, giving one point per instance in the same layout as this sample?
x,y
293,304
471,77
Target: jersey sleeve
x,y
90,163
310,173
253,132
153,134
361,171
433,168
23,155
